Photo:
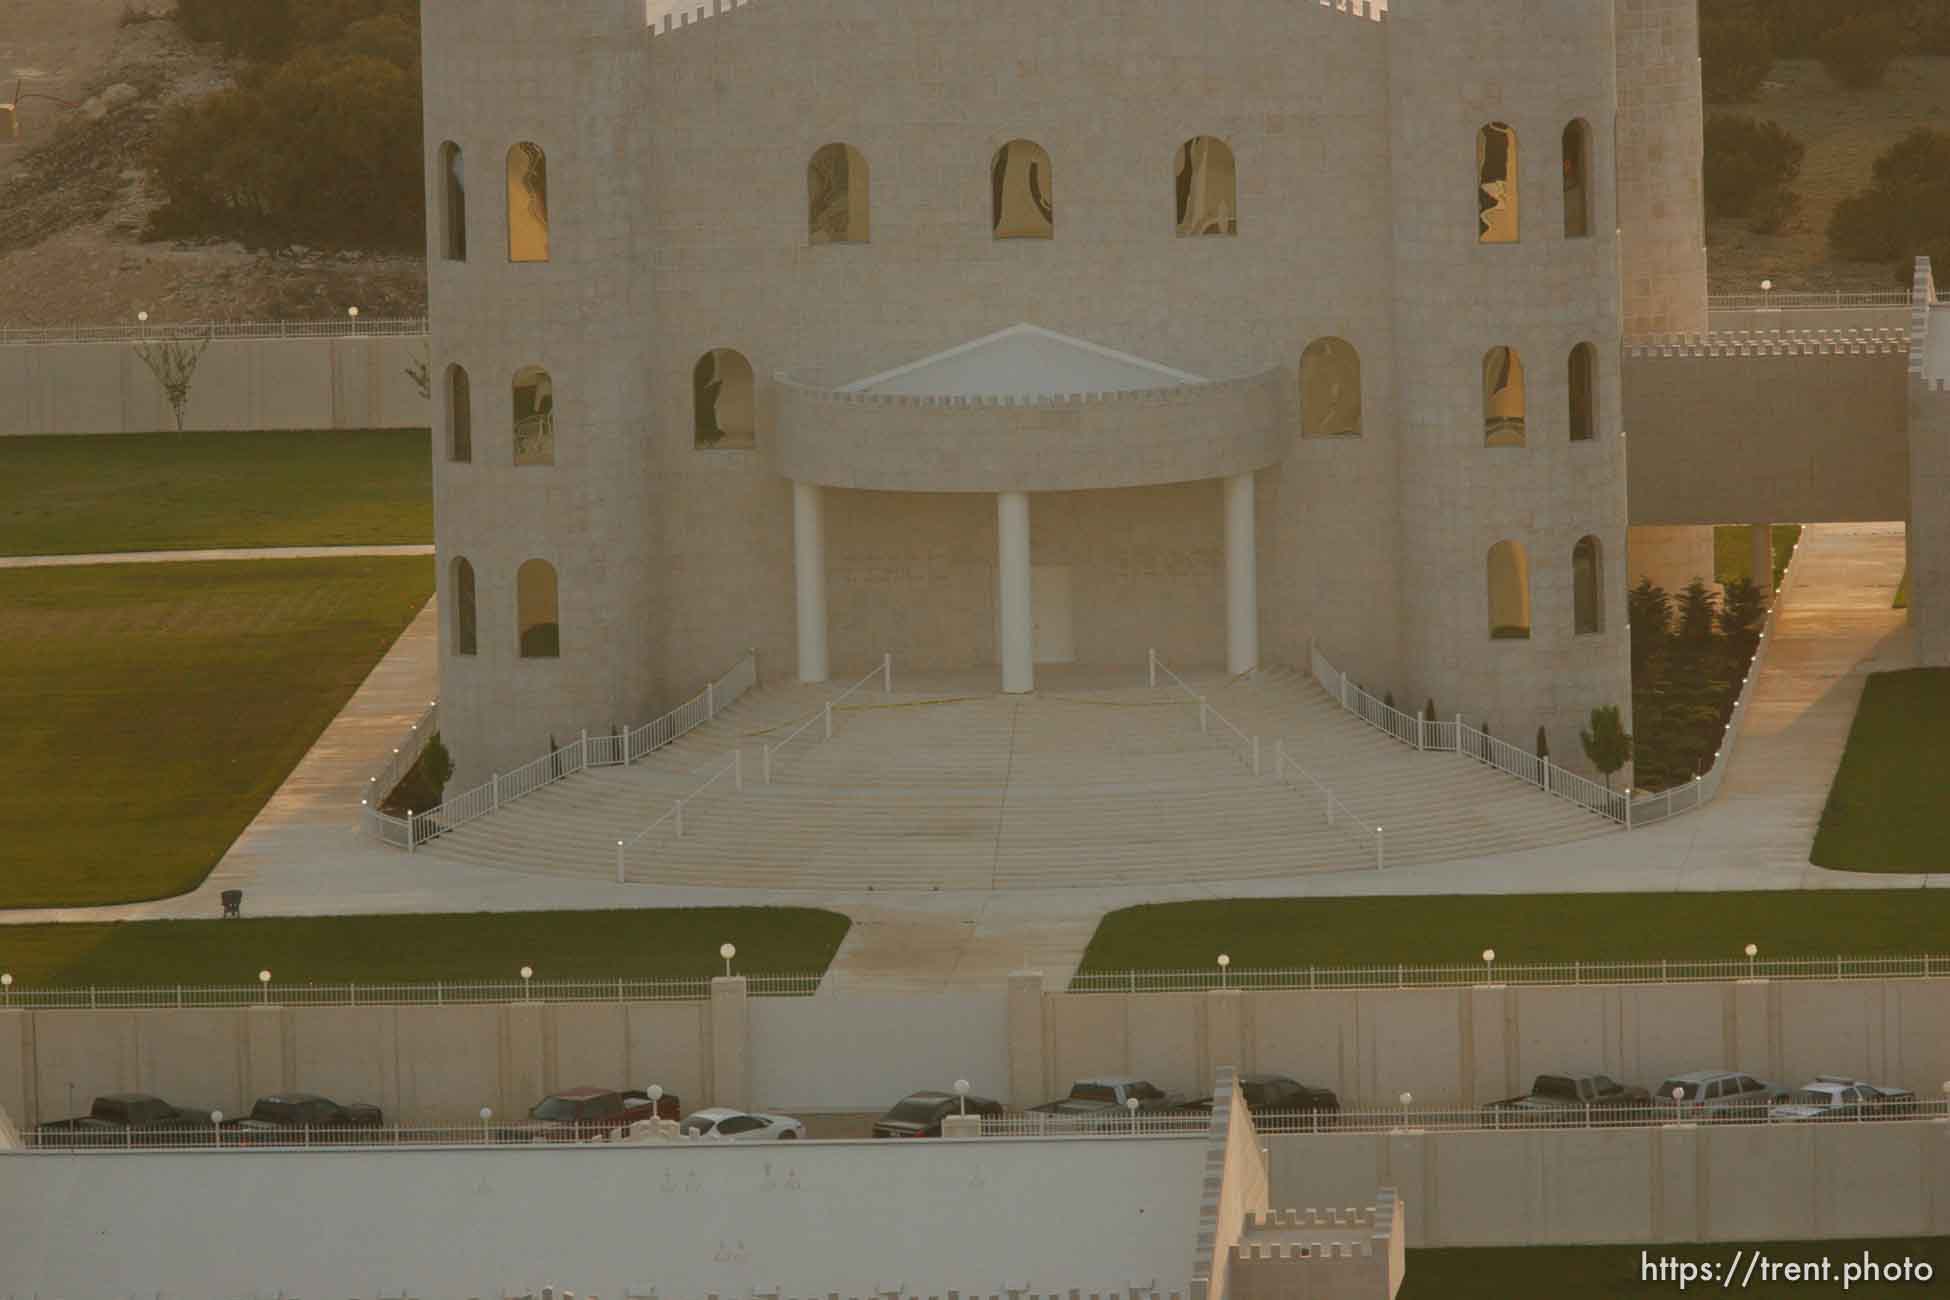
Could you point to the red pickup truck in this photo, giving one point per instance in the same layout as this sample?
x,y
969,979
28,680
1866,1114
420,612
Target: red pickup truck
x,y
588,1114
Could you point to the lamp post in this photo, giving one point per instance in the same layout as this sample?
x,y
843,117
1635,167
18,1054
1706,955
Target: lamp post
x,y
727,951
1753,951
1946,1097
656,1094
1225,962
527,973
264,985
961,1094
216,1127
1407,1099
7,987
1767,292
487,1114
1131,1105
1489,965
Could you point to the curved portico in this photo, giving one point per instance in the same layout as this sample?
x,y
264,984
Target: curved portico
x,y
1027,411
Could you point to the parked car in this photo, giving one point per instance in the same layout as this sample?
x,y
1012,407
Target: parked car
x,y
1567,1099
1102,1097
588,1114
722,1124
303,1117
128,1119
1833,1096
1718,1094
919,1114
1279,1102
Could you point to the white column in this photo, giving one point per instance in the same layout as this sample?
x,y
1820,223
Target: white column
x,y
809,564
1760,542
1242,578
1018,616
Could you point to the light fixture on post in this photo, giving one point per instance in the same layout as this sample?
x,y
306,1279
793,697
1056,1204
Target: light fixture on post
x,y
961,1092
7,987
1489,965
1407,1099
216,1127
1131,1105
727,951
1753,951
527,973
655,1092
487,1114
1225,961
264,985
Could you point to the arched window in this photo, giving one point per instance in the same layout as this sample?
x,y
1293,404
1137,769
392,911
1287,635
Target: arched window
x,y
1509,573
1577,180
1503,398
1330,390
1208,188
453,203
1022,191
837,196
1584,392
1496,184
527,203
534,417
1587,587
721,385
538,621
460,416
466,638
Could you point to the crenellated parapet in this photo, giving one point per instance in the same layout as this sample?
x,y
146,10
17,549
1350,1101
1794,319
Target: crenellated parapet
x,y
1773,343
1335,1254
663,18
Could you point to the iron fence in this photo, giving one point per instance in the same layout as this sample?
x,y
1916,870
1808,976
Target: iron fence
x,y
435,993
146,331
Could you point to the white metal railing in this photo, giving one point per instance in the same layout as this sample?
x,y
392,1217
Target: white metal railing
x,y
1477,974
1651,809
338,327
1332,804
1246,746
1110,1123
733,768
400,993
825,714
403,757
583,752
1748,301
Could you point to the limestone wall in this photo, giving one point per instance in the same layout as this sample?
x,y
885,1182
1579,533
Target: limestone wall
x,y
1662,196
325,383
1929,522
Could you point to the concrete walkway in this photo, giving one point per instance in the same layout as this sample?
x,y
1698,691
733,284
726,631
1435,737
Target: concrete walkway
x,y
189,557
304,855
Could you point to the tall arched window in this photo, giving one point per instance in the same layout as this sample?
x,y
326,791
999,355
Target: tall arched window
x,y
1587,587
837,196
453,203
534,417
1022,192
1509,574
1496,184
527,203
1584,392
1330,390
1577,179
1503,398
1208,188
536,613
460,416
721,386
466,637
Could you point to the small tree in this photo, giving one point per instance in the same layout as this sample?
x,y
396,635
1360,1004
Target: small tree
x,y
1650,610
173,362
1741,613
1747,159
1389,699
1905,210
1543,744
1697,609
1428,711
1607,744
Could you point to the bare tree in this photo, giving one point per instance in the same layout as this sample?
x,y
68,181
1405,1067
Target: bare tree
x,y
173,362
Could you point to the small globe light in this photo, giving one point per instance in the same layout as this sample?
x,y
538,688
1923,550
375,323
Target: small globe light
x,y
1408,1098
6,981
264,977
216,1117
1489,954
961,1086
486,1114
1753,950
143,317
353,312
727,950
528,972
1767,286
655,1092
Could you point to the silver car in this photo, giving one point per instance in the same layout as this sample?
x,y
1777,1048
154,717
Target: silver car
x,y
1833,1096
721,1124
1718,1094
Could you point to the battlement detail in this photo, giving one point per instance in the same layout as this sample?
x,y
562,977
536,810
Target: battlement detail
x,y
1333,1254
662,18
1773,343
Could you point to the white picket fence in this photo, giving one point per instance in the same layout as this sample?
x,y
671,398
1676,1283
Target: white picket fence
x,y
586,751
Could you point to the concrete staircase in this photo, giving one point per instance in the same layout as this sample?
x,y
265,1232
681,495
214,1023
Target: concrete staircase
x,y
939,789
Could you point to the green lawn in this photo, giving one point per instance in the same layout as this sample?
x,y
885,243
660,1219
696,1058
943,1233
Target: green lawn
x,y
1886,810
645,944
180,491
149,710
1614,1272
1733,556
1300,932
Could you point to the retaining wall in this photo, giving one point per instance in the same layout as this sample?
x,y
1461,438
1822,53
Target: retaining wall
x,y
323,383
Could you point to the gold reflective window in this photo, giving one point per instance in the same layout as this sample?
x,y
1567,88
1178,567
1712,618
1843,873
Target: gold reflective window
x,y
1496,184
1509,573
527,203
838,196
460,416
534,417
453,203
1330,390
1503,398
721,385
1022,194
1584,392
1577,180
538,621
1587,587
1208,188
466,640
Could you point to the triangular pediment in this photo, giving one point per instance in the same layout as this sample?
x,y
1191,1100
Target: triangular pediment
x,y
1023,361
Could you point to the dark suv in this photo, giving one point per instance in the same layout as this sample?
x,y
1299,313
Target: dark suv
x,y
1280,1103
919,1114
302,1117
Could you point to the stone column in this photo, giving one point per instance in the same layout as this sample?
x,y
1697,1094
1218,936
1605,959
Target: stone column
x,y
1018,612
1242,578
1027,1087
809,565
731,1032
1760,538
